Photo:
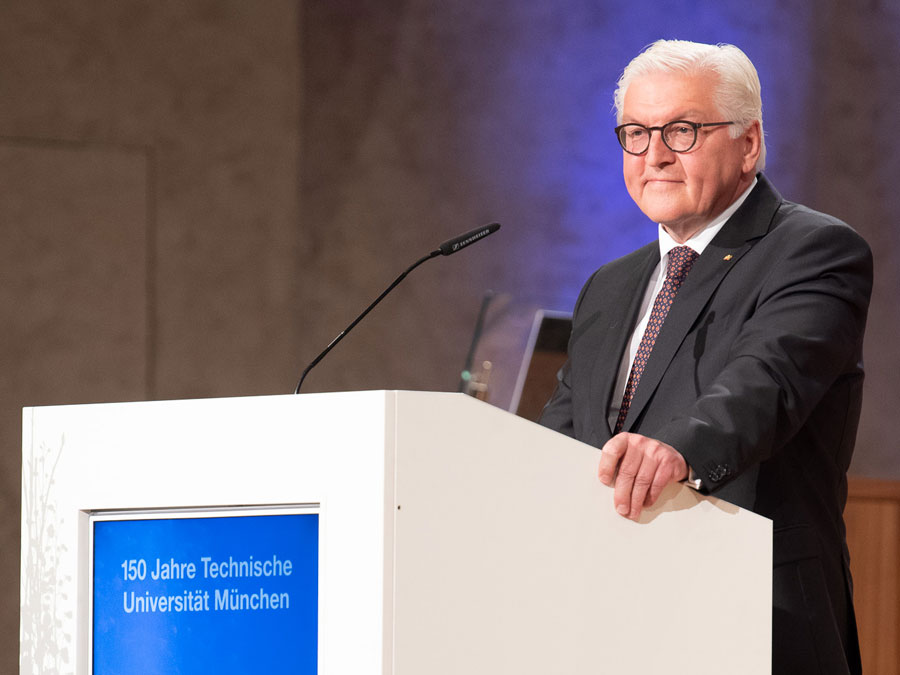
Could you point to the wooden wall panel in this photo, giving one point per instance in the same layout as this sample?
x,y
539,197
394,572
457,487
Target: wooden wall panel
x,y
873,535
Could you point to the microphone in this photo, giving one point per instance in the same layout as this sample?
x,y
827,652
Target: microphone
x,y
449,247
459,242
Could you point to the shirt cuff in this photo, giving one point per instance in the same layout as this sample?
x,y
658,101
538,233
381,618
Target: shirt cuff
x,y
693,480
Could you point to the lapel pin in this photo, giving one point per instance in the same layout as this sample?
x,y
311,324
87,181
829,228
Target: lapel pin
x,y
728,257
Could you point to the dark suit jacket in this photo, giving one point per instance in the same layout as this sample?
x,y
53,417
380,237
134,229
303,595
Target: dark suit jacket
x,y
756,378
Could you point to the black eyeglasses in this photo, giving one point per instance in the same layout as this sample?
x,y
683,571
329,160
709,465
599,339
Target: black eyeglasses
x,y
679,136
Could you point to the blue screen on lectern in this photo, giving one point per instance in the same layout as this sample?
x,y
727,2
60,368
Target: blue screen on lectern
x,y
222,594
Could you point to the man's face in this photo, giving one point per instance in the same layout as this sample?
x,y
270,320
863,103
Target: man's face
x,y
685,191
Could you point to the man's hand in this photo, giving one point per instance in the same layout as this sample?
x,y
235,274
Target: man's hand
x,y
640,468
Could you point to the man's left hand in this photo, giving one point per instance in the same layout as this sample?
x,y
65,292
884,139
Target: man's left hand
x,y
640,468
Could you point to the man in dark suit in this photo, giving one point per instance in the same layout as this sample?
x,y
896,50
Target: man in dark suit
x,y
729,352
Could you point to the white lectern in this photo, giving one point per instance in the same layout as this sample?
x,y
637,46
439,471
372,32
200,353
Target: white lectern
x,y
454,537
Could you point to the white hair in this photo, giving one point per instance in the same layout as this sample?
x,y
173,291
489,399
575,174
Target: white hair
x,y
737,94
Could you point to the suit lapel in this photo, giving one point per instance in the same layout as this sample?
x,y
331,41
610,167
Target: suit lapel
x,y
616,332
744,228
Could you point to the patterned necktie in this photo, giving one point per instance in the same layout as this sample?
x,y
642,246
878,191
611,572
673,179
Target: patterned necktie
x,y
681,259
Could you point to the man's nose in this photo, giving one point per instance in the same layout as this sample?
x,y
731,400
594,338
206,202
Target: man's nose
x,y
658,153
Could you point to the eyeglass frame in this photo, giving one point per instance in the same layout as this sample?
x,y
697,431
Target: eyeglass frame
x,y
694,125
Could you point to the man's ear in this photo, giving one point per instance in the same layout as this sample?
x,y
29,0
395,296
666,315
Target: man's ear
x,y
752,144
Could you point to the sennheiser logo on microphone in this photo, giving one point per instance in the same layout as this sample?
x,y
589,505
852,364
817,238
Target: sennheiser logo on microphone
x,y
465,242
458,243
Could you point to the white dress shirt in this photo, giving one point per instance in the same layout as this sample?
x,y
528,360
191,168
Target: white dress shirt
x,y
698,242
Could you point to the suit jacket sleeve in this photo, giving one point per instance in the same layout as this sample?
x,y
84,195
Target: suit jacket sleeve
x,y
802,335
558,412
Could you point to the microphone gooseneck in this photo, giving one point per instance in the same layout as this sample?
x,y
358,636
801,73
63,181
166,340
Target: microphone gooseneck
x,y
447,248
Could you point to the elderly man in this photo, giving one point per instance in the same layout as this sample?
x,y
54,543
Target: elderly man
x,y
727,353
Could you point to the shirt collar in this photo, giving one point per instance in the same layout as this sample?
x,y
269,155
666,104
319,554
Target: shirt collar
x,y
701,240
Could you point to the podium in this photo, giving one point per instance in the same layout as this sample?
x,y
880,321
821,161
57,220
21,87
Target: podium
x,y
453,536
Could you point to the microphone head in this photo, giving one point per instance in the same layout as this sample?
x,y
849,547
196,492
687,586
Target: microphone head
x,y
461,241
